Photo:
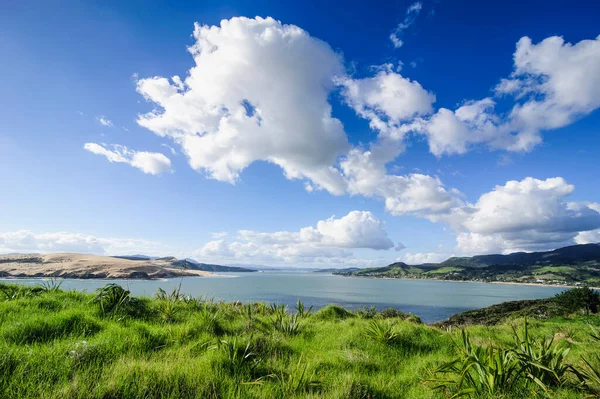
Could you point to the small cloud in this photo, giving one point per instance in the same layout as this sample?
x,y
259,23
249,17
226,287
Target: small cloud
x,y
400,246
124,128
219,234
173,152
505,160
152,163
412,12
104,121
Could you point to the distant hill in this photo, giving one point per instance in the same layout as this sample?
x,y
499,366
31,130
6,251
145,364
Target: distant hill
x,y
573,265
572,255
84,266
189,264
346,270
207,267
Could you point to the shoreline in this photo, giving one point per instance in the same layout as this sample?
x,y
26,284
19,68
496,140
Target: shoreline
x,y
17,278
470,281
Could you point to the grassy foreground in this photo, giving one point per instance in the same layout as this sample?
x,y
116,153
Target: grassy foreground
x,y
57,344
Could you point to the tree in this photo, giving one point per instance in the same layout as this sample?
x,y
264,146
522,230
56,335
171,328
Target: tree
x,y
579,298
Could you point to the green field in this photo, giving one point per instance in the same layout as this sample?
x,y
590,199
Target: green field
x,y
56,344
554,269
444,270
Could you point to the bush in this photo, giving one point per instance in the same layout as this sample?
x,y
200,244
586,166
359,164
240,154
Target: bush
x,y
579,298
115,300
333,312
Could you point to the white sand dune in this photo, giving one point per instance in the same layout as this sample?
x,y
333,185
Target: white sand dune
x,y
72,265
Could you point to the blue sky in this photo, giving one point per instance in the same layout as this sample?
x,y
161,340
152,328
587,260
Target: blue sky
x,y
465,139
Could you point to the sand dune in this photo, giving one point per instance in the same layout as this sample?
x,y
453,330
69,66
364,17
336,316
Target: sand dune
x,y
71,265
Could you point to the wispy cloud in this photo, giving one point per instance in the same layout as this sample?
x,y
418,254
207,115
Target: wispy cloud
x,y
412,12
104,121
173,152
153,163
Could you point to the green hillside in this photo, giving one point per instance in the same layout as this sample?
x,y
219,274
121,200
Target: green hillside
x,y
569,266
67,344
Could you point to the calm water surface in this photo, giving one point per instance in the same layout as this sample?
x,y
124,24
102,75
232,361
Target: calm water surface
x,y
431,300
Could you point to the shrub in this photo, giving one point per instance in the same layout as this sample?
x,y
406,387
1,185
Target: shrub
x,y
115,300
579,298
367,312
333,312
112,298
391,313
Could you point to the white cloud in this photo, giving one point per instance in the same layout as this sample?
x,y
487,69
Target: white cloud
x,y
411,15
419,258
387,100
219,234
153,163
25,241
171,149
588,237
553,84
258,92
412,194
104,121
526,215
453,132
559,81
327,242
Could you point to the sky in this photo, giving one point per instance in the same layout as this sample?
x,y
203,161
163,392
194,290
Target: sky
x,y
301,134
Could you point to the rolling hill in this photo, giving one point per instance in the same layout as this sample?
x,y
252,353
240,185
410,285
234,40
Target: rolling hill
x,y
572,265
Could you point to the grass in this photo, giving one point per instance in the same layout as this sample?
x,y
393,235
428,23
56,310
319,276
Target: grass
x,y
445,270
65,344
554,269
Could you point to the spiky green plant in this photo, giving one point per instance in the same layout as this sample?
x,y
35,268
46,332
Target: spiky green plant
x,y
479,370
543,362
288,325
590,375
381,331
240,360
302,311
10,292
278,310
112,298
174,296
301,378
49,285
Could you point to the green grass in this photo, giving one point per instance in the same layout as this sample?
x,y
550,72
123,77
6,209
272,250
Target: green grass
x,y
445,270
554,269
57,344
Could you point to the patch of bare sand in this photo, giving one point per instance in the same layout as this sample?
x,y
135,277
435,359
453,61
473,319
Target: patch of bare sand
x,y
72,265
